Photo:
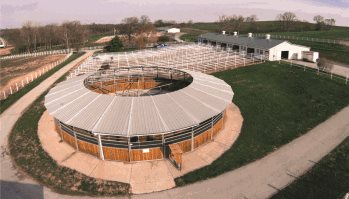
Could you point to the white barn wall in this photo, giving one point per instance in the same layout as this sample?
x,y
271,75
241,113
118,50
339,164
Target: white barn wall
x,y
295,51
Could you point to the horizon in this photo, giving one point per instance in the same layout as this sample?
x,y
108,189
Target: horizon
x,y
16,12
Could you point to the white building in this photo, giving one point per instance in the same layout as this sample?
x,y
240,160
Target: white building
x,y
2,43
173,30
272,49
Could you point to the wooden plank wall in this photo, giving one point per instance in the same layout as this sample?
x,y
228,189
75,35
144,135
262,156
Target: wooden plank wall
x,y
125,85
118,154
154,154
217,127
111,153
88,148
202,138
185,145
68,138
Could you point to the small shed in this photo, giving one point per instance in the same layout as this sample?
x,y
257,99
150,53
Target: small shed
x,y
173,30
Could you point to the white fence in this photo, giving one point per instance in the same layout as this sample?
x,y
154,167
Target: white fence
x,y
289,37
51,52
15,87
341,76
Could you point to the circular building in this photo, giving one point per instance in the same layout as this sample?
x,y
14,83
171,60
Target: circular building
x,y
139,113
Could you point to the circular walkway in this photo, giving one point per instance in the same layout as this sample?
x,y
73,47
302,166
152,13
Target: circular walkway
x,y
145,176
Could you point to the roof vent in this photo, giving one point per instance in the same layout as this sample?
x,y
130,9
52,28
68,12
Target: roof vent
x,y
250,34
223,32
267,36
235,33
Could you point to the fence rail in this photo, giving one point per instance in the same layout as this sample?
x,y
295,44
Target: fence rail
x,y
15,87
290,37
51,52
329,74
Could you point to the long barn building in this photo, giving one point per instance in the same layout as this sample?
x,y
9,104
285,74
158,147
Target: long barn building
x,y
272,49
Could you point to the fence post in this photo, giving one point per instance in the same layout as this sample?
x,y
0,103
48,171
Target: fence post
x,y
32,76
16,87
22,83
12,91
4,94
27,80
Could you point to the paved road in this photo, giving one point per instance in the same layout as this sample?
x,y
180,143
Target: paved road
x,y
264,177
13,184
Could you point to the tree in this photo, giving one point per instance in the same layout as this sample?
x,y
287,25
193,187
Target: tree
x,y
329,23
130,25
251,19
115,45
287,19
319,22
73,34
324,65
231,23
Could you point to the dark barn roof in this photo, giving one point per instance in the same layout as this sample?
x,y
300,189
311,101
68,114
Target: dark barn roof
x,y
252,42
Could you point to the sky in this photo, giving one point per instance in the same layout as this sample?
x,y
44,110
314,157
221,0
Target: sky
x,y
13,13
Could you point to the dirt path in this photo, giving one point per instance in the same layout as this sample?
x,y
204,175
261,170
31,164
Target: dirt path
x,y
266,176
13,184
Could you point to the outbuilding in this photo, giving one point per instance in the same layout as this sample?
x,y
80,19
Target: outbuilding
x,y
173,30
272,49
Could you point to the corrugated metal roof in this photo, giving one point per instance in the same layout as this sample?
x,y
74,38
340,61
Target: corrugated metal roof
x,y
253,42
72,103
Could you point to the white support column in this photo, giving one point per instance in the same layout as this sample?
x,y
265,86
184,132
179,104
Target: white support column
x,y
101,154
129,149
76,141
192,139
211,128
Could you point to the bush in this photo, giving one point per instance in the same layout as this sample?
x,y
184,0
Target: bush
x,y
163,38
115,45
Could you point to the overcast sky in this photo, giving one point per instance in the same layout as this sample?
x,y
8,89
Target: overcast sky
x,y
14,12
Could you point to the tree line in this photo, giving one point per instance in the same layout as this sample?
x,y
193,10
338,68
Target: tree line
x,y
32,37
286,21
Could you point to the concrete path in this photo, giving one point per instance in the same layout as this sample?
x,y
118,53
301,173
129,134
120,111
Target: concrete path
x,y
177,37
263,178
13,183
144,176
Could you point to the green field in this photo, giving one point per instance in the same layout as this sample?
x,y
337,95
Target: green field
x,y
335,34
279,104
4,104
329,178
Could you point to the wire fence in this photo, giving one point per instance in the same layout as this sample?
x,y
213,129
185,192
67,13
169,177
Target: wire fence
x,y
15,87
291,37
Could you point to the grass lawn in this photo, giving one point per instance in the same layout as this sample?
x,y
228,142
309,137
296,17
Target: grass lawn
x,y
278,103
29,156
335,34
4,104
327,179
